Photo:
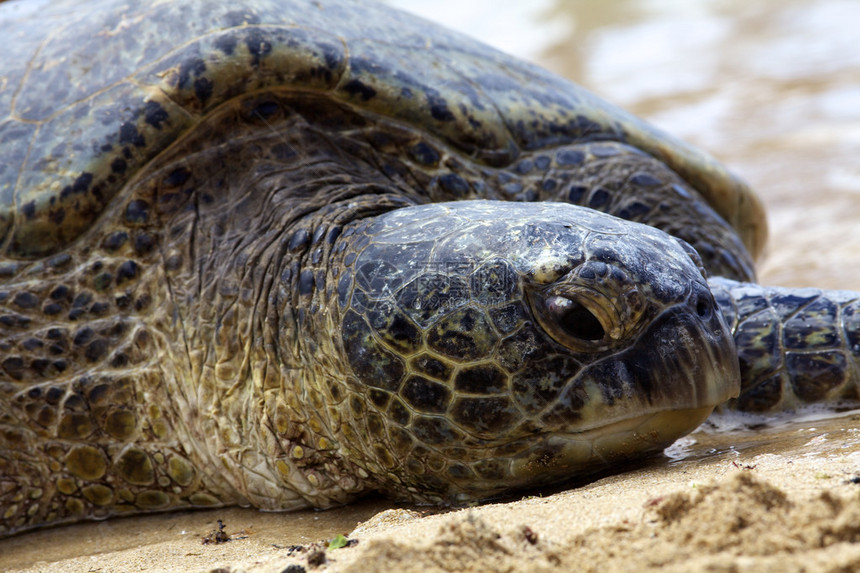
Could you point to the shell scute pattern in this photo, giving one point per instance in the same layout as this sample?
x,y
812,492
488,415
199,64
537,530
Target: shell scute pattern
x,y
124,120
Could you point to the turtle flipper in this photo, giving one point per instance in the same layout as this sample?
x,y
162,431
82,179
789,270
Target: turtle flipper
x,y
796,346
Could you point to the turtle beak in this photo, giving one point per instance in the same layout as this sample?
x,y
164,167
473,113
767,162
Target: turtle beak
x,y
684,360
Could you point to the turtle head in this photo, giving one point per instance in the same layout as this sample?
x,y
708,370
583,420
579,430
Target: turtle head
x,y
500,345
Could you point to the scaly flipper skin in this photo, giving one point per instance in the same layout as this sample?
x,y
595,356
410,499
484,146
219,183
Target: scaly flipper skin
x,y
795,346
281,253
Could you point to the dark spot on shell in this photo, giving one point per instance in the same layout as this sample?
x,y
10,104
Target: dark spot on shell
x,y
357,88
100,308
81,185
102,281
14,367
173,262
299,240
32,344
83,299
154,114
137,211
115,240
306,282
226,44
83,336
143,243
54,394
188,68
569,157
599,198
524,167
424,154
454,184
576,193
52,309
126,271
634,212
25,300
333,234
645,180
29,210
203,89
96,349
129,135
56,333
542,162
439,108
319,232
257,45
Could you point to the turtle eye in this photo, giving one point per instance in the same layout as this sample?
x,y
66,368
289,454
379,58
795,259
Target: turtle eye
x,y
574,319
581,323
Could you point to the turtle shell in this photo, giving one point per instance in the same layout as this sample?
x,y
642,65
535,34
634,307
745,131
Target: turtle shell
x,y
90,93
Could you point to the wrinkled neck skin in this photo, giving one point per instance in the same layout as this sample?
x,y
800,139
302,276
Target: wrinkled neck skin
x,y
303,370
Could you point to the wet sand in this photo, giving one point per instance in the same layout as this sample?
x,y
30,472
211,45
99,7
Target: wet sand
x,y
772,90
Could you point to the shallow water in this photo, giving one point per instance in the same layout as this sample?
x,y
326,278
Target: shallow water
x,y
771,87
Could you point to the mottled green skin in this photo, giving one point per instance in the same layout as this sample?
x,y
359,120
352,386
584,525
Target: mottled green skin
x,y
221,279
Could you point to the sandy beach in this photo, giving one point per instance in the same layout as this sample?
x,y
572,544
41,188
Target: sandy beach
x,y
771,90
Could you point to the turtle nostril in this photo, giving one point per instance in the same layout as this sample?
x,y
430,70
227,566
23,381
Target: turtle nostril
x,y
703,307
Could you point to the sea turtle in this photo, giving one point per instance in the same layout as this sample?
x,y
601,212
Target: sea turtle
x,y
279,253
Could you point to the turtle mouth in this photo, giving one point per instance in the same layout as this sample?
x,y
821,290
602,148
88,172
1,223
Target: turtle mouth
x,y
568,455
